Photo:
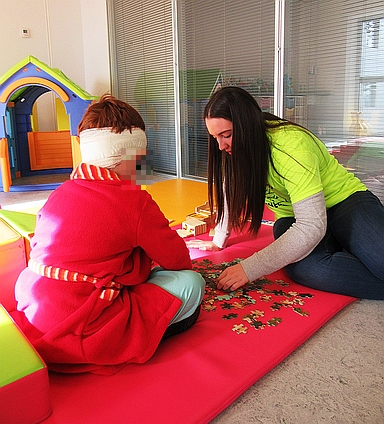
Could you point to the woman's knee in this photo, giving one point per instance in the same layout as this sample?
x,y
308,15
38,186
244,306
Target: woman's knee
x,y
282,225
309,276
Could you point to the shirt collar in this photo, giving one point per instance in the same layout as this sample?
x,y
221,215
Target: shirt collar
x,y
85,171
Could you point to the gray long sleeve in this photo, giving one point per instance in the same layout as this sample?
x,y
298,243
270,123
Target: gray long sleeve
x,y
296,243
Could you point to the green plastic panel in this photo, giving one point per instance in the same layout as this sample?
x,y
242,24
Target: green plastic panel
x,y
17,356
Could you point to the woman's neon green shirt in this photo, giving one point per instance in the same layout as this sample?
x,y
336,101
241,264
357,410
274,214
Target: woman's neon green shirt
x,y
308,168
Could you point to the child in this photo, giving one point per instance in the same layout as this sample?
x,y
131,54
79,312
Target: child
x,y
90,299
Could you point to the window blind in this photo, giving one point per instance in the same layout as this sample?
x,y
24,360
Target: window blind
x,y
333,72
143,62
334,65
222,42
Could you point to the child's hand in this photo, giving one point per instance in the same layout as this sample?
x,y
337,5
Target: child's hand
x,y
202,245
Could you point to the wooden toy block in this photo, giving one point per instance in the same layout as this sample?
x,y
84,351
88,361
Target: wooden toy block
x,y
205,211
24,384
201,216
194,226
204,208
183,233
12,262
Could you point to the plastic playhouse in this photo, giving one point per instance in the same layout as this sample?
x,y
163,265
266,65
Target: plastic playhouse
x,y
23,151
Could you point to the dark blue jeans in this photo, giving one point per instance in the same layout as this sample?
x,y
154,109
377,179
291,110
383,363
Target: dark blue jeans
x,y
350,258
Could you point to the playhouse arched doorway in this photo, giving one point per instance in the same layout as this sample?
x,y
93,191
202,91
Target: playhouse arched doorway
x,y
35,148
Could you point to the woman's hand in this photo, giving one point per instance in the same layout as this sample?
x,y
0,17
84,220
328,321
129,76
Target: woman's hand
x,y
232,278
202,245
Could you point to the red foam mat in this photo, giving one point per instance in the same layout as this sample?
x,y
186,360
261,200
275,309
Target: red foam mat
x,y
195,375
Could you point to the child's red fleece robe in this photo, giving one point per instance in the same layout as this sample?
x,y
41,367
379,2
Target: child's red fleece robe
x,y
94,225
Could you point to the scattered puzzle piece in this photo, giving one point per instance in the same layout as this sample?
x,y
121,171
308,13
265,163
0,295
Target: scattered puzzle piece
x,y
282,283
278,292
266,298
274,321
301,312
257,325
238,305
276,306
253,315
240,329
224,297
208,307
257,313
230,316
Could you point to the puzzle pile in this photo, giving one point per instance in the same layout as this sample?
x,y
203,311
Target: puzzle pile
x,y
255,305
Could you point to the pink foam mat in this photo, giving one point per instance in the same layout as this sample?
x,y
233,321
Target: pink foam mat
x,y
197,374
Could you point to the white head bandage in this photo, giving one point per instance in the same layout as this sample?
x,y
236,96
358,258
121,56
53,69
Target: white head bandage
x,y
102,147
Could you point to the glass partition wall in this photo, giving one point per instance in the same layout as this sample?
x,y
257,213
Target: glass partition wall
x,y
142,62
334,63
169,55
221,43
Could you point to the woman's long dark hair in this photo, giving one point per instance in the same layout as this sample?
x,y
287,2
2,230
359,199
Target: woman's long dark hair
x,y
243,174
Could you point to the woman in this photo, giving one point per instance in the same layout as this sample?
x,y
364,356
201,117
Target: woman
x,y
90,299
329,229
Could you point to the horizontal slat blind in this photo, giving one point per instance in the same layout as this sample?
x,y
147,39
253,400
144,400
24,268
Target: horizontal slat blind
x,y
221,42
144,67
334,65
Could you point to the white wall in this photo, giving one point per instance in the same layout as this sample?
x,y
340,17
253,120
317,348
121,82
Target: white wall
x,y
95,46
70,35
